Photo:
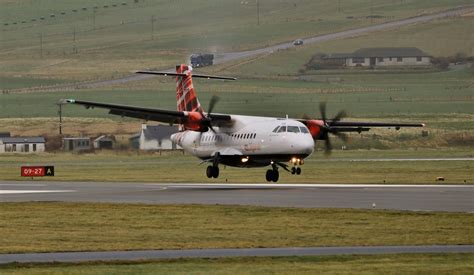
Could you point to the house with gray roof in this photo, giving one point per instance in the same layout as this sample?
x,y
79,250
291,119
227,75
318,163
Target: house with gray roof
x,y
155,137
22,144
375,57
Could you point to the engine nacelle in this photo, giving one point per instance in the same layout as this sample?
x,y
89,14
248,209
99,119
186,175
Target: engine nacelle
x,y
314,127
194,122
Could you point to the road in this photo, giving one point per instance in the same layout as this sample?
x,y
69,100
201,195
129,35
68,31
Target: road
x,y
233,56
220,253
449,198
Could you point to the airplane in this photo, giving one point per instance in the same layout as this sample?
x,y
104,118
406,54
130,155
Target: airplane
x,y
239,140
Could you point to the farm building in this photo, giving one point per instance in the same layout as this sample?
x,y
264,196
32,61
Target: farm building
x,y
22,144
371,57
76,144
155,137
104,142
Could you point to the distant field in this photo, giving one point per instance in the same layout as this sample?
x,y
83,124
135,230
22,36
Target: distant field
x,y
110,41
444,37
135,166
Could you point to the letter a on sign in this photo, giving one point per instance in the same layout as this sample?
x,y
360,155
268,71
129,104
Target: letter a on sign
x,y
49,171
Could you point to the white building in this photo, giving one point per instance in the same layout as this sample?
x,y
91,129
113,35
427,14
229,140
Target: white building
x,y
22,144
76,144
155,137
380,57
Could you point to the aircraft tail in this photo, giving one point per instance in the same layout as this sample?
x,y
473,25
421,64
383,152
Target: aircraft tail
x,y
185,94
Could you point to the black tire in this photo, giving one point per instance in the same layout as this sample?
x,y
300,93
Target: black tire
x,y
293,170
215,171
298,171
269,175
209,171
276,175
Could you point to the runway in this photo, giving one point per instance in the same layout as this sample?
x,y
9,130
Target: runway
x,y
449,198
220,253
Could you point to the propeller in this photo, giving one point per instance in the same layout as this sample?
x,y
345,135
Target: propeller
x,y
328,127
207,119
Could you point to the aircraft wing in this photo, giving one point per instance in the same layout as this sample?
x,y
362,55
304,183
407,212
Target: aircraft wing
x,y
347,126
161,115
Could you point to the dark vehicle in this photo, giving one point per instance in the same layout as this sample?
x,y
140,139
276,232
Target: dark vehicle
x,y
201,59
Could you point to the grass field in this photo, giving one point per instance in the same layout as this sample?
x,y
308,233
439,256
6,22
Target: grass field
x,y
55,226
361,95
387,264
107,42
151,167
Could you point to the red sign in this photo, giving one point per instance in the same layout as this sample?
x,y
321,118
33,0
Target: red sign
x,y
37,171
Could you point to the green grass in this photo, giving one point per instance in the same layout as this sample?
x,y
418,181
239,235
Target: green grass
x,y
121,40
149,167
387,264
54,226
361,95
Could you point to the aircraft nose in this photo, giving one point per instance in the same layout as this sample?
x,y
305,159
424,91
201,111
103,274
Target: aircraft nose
x,y
304,145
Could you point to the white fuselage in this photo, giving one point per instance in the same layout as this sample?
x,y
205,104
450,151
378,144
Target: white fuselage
x,y
263,140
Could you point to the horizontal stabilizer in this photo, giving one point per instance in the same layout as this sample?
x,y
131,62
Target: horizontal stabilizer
x,y
182,74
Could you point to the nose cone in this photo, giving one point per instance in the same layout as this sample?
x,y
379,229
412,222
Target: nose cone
x,y
307,145
304,145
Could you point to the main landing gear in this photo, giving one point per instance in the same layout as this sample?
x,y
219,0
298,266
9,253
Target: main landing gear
x,y
272,174
212,171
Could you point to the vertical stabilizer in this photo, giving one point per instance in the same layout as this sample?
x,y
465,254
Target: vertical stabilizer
x,y
185,94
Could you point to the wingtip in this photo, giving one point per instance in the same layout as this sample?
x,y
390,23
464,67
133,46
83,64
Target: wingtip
x,y
66,101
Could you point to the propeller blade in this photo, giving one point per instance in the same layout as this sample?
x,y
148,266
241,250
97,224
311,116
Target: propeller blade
x,y
212,103
328,146
322,109
338,117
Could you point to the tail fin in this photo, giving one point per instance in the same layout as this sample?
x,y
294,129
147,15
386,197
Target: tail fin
x,y
185,94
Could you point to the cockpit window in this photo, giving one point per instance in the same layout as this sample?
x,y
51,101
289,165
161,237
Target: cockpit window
x,y
293,129
282,129
276,129
304,130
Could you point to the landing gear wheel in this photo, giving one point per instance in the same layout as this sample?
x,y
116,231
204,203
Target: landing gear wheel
x,y
209,171
276,175
272,175
293,170
269,175
298,170
215,171
212,171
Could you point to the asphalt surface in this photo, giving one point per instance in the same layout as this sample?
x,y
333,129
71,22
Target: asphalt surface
x,y
220,253
449,198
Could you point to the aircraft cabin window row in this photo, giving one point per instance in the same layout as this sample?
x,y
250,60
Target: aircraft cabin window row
x,y
233,136
290,129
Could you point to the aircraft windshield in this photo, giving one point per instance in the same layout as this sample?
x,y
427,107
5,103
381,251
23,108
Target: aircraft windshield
x,y
293,129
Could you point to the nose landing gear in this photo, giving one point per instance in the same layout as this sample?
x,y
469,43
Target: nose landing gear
x,y
295,170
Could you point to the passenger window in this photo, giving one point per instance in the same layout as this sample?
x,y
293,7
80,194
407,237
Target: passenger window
x,y
282,129
276,129
293,129
304,130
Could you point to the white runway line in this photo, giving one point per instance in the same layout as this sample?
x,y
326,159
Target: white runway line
x,y
276,185
11,192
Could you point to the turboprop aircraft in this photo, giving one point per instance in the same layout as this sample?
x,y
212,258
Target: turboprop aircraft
x,y
238,140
